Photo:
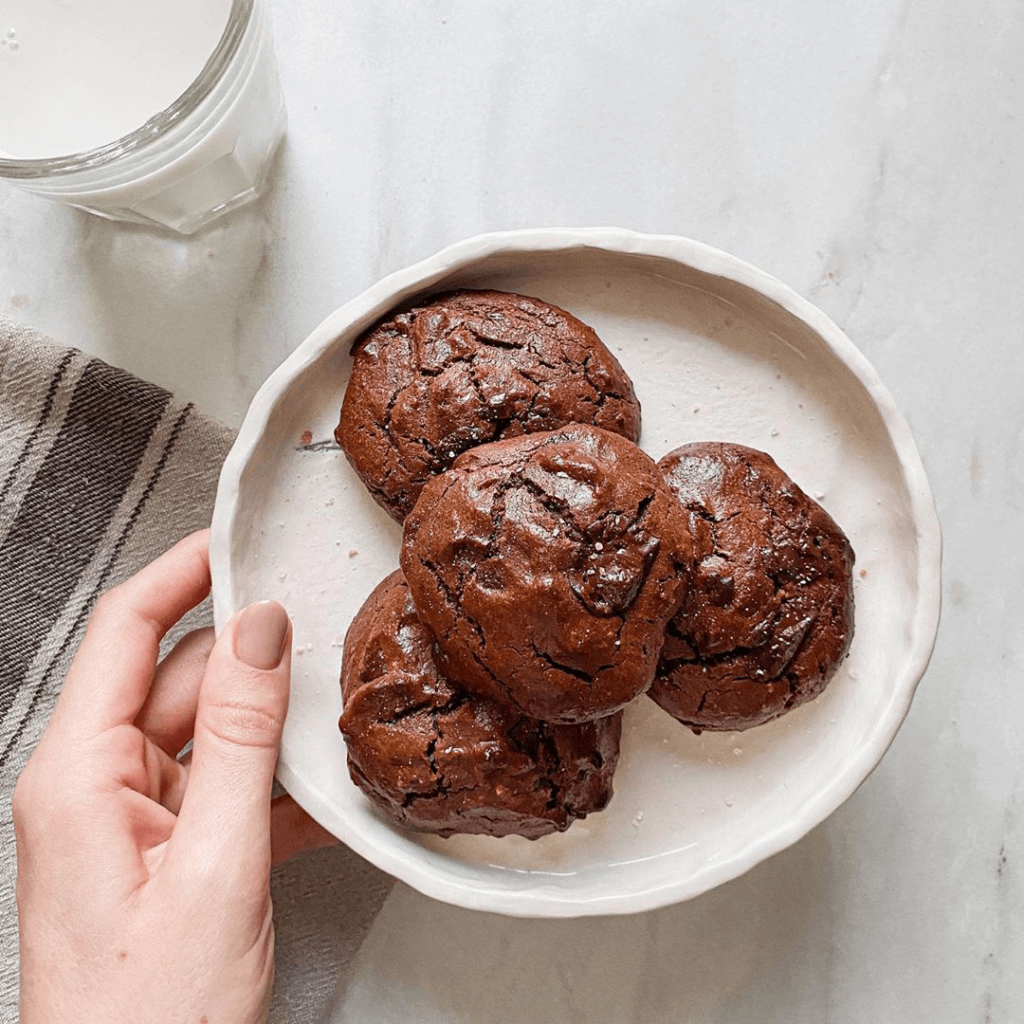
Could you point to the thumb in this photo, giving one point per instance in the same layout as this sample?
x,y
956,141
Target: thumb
x,y
243,699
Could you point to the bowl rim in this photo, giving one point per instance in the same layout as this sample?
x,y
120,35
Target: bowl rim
x,y
543,900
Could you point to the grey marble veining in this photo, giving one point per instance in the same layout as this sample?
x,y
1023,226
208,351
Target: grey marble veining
x,y
870,156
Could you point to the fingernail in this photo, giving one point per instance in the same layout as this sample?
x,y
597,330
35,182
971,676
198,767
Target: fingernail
x,y
261,634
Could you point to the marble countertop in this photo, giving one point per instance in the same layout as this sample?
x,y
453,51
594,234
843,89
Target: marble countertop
x,y
871,157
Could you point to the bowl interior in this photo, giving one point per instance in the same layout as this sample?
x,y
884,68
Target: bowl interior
x,y
711,359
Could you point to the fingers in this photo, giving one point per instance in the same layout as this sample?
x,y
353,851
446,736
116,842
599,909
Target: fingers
x,y
125,758
173,783
113,670
169,713
293,831
243,699
163,779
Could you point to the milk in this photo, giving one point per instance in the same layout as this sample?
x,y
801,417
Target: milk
x,y
77,74
80,74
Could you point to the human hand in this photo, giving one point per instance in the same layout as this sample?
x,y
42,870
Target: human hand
x,y
143,883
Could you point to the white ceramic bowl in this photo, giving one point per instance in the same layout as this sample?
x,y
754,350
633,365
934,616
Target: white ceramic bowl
x,y
718,351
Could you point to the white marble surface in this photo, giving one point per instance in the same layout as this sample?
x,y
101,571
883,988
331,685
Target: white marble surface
x,y
870,155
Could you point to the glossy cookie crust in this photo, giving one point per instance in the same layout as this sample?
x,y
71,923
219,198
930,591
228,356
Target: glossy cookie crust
x,y
547,567
464,369
769,612
438,759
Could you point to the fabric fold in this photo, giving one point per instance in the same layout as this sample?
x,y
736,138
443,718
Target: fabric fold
x,y
100,472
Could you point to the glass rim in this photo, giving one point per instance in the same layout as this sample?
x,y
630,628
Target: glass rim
x,y
159,124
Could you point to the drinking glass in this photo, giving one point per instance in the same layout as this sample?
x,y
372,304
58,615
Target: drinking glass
x,y
206,153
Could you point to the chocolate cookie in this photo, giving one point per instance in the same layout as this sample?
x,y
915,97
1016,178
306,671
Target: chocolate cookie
x,y
547,567
769,611
467,368
440,760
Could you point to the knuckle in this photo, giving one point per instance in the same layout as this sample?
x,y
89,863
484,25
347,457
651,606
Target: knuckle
x,y
125,755
198,643
22,799
121,744
107,609
244,723
38,806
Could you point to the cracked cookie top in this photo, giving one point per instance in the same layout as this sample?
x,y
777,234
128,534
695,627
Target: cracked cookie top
x,y
547,567
439,759
768,614
467,368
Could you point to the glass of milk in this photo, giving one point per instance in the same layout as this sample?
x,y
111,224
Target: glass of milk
x,y
163,112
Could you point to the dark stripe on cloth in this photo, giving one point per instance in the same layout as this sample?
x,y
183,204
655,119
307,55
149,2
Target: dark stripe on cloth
x,y
101,583
44,415
67,509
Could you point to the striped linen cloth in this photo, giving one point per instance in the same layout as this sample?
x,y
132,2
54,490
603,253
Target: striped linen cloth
x,y
99,473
